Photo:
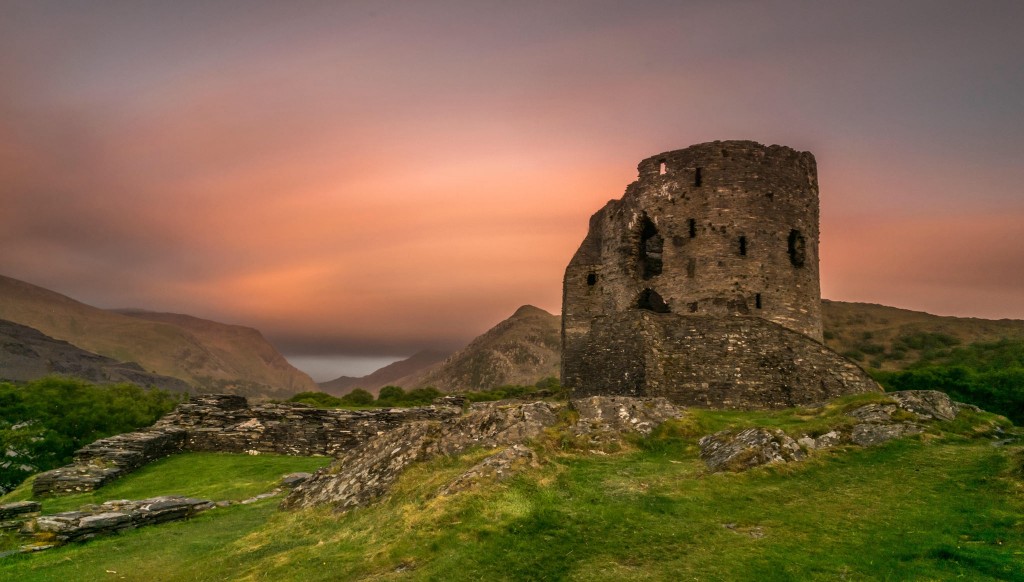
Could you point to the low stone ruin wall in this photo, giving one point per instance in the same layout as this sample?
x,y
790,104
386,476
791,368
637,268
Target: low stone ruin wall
x,y
226,423
113,516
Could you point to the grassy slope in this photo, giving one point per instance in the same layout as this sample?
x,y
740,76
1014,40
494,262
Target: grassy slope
x,y
935,507
866,331
194,350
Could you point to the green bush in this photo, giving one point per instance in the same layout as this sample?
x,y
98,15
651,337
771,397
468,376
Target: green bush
x,y
357,397
43,422
317,399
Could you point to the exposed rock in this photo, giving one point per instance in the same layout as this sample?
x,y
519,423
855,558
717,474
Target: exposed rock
x,y
497,467
929,404
12,515
873,433
114,516
293,479
226,423
730,451
368,471
607,417
902,415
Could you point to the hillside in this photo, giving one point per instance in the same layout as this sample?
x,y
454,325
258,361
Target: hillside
x,y
944,505
208,355
520,350
387,375
26,354
890,338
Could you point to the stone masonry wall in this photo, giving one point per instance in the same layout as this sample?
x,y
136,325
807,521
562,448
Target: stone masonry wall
x,y
226,423
721,228
718,362
701,285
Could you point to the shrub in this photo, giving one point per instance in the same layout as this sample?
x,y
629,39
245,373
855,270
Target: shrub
x,y
357,397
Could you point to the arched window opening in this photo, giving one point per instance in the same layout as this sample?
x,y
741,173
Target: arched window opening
x,y
797,248
650,300
651,247
591,279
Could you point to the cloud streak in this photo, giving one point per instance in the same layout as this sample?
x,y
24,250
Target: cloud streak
x,y
371,179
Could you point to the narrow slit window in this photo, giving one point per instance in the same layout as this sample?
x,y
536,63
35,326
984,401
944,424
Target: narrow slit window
x,y
661,168
698,179
757,301
797,248
692,224
743,246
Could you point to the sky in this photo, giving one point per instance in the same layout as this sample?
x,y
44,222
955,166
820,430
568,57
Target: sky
x,y
361,180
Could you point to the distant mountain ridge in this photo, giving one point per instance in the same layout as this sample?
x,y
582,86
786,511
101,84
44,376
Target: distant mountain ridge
x,y
209,356
27,354
384,376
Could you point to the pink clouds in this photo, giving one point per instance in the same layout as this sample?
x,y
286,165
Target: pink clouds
x,y
367,179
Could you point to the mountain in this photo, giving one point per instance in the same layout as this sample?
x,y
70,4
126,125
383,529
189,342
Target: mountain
x,y
522,349
26,354
890,338
386,375
209,356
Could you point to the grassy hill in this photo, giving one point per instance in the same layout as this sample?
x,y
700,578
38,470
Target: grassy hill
x,y
206,354
889,338
941,506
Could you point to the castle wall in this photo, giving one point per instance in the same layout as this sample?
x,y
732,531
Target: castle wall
x,y
740,239
712,236
226,423
715,362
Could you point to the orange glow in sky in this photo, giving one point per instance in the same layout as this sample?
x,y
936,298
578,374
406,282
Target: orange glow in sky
x,y
369,179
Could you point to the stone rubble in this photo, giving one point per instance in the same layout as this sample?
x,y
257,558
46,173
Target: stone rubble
x,y
12,515
227,423
904,414
113,516
497,467
367,472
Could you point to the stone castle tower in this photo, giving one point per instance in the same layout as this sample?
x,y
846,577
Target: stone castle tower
x,y
701,284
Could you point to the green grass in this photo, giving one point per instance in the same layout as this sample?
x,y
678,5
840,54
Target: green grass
x,y
215,476
935,507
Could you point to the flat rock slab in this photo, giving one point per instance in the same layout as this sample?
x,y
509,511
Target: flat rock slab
x,y
114,516
738,451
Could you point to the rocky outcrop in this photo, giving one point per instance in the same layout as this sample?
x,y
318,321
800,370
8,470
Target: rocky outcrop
x,y
614,415
729,451
368,471
12,515
497,467
226,423
113,516
900,414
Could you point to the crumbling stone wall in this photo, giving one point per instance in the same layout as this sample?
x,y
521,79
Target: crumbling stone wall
x,y
715,362
226,423
711,236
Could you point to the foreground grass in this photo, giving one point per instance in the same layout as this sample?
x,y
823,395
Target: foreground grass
x,y
215,476
930,508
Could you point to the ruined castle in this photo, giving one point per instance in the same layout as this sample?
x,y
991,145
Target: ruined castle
x,y
701,285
